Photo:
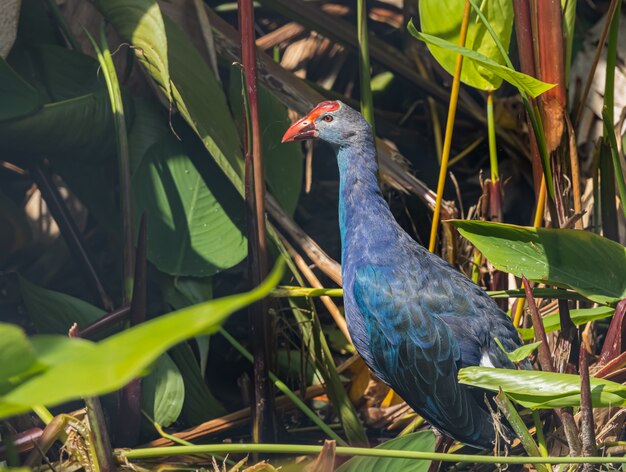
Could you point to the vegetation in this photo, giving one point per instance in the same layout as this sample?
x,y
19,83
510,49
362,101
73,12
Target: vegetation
x,y
170,291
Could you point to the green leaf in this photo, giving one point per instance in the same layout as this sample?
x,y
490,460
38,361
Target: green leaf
x,y
528,84
108,365
283,163
196,219
163,391
196,92
563,257
443,20
579,317
520,353
18,97
200,404
534,389
423,441
17,353
55,312
140,23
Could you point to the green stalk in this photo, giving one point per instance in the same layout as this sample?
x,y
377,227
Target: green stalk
x,y
533,112
611,59
491,130
512,416
541,439
609,135
43,413
367,101
288,291
150,453
280,385
121,135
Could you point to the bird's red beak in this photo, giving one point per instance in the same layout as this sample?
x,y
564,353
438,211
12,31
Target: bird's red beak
x,y
302,129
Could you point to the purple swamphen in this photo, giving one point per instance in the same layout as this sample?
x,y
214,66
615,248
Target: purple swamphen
x,y
413,318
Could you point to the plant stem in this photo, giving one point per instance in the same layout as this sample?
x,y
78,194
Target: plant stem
x,y
43,413
69,230
117,105
280,385
541,439
150,453
541,202
367,101
613,7
258,259
447,143
512,416
491,129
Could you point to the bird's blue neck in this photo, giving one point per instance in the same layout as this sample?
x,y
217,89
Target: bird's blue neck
x,y
363,212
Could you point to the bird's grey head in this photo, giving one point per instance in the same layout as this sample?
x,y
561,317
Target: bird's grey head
x,y
331,121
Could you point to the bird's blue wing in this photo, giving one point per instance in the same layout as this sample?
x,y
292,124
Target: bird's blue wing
x,y
417,353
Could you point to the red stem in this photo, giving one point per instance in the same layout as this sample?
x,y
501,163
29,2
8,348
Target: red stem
x,y
260,323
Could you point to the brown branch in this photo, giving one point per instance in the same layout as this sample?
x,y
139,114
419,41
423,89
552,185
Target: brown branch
x,y
587,428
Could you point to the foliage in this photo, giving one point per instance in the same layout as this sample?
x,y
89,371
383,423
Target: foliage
x,y
554,257
441,20
54,369
61,228
534,389
421,441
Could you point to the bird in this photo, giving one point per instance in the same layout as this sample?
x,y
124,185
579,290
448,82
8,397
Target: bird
x,y
413,318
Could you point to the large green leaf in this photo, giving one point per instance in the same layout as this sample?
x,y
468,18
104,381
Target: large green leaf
x,y
579,317
196,220
422,441
194,89
16,351
141,24
283,163
18,96
109,364
55,312
563,257
534,389
163,391
443,19
528,84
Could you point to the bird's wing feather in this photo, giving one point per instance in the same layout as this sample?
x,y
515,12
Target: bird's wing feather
x,y
416,352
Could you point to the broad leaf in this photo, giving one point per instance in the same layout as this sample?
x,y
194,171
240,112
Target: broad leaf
x,y
165,379
579,317
283,163
194,89
108,365
534,389
196,220
443,20
17,353
140,23
422,441
563,257
18,97
200,404
55,312
528,84
519,354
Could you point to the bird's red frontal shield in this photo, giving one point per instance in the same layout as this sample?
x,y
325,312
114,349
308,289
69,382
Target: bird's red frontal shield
x,y
304,128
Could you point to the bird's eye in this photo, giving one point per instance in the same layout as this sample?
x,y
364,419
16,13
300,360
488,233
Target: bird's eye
x,y
327,118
